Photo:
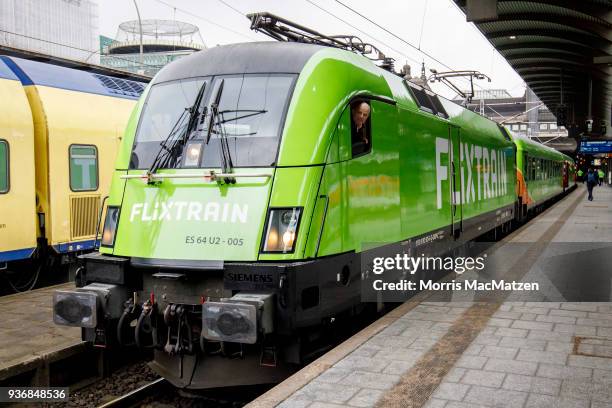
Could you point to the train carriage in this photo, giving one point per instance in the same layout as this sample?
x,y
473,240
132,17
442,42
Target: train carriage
x,y
570,172
78,120
17,188
541,170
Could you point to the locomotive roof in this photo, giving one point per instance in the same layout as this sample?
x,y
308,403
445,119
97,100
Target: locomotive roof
x,y
38,73
534,147
253,57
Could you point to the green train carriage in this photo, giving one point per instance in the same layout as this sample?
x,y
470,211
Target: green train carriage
x,y
543,173
240,262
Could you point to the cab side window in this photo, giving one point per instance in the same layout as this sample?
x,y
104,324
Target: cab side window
x,y
361,141
83,168
4,167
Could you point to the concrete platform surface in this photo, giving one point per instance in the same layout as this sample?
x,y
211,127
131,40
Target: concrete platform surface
x,y
27,331
499,353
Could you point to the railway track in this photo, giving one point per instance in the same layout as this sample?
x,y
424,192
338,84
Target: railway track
x,y
135,397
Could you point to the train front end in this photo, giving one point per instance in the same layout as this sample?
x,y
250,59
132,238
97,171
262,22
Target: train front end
x,y
205,242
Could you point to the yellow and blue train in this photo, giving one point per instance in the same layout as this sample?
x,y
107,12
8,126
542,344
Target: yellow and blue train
x,y
59,134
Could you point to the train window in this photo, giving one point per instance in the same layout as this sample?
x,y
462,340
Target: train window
x,y
252,110
83,167
421,98
550,169
440,111
361,140
4,167
504,132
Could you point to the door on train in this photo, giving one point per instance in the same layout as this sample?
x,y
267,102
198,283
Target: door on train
x,y
456,184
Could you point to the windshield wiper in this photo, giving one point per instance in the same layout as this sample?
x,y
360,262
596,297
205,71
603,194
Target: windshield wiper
x,y
226,158
169,152
164,149
214,111
235,118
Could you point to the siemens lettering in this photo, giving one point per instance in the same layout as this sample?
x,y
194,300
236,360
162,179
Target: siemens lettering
x,y
189,211
482,171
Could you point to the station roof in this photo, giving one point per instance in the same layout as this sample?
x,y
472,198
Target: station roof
x,y
560,48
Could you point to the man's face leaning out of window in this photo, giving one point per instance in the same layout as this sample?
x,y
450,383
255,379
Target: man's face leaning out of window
x,y
360,114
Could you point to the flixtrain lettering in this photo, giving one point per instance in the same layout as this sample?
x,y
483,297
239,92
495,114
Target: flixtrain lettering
x,y
482,172
189,211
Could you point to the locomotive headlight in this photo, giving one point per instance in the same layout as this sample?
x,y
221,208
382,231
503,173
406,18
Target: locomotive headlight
x,y
110,226
288,238
281,223
75,308
192,154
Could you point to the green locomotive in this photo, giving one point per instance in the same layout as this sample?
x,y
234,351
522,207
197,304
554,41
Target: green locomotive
x,y
245,194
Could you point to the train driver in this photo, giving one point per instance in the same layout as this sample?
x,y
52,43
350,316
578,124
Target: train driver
x,y
360,127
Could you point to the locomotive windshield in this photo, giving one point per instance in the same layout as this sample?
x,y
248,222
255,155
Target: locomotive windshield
x,y
251,111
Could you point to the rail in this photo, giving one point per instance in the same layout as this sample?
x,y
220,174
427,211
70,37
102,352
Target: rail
x,y
134,397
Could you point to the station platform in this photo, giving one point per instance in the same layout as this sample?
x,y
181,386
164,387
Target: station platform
x,y
33,350
500,353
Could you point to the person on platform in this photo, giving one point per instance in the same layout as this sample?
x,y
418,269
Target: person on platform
x,y
591,182
581,175
360,131
601,175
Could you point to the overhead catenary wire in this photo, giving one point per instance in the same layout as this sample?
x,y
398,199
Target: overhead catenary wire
x,y
206,19
360,30
96,51
367,34
393,34
488,41
399,38
423,23
232,7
